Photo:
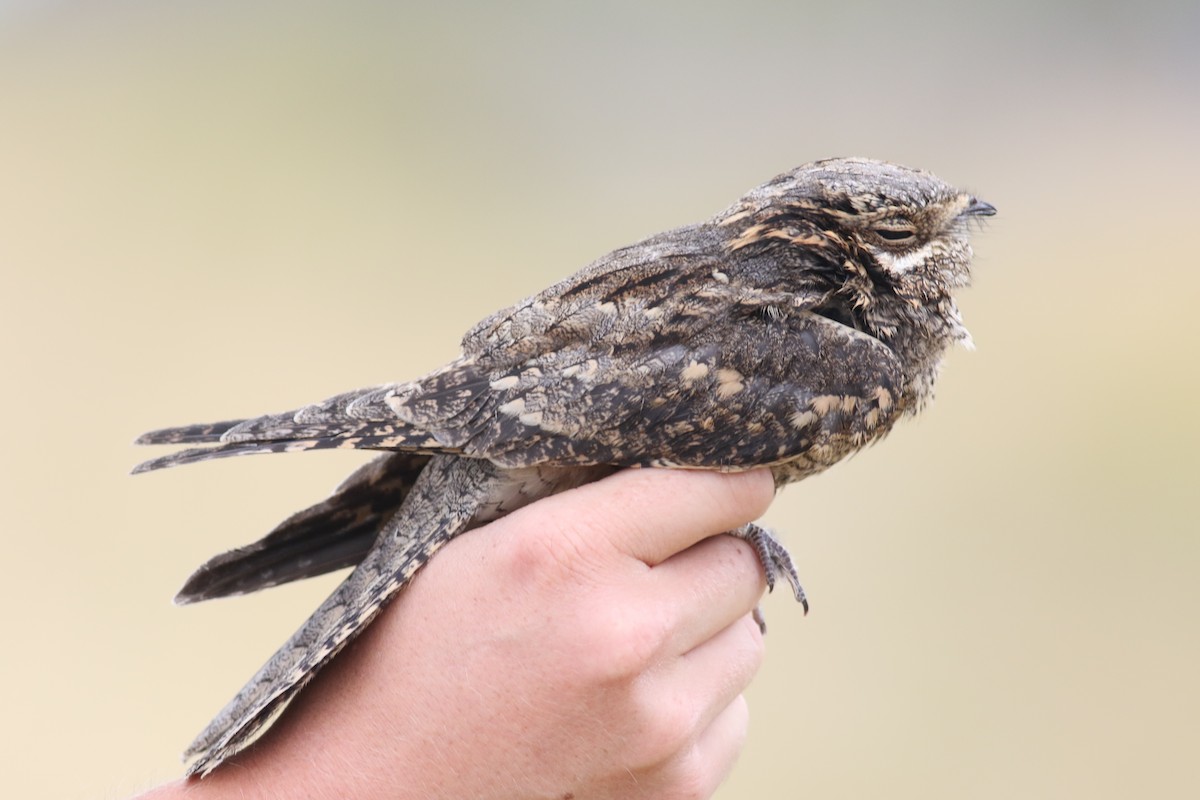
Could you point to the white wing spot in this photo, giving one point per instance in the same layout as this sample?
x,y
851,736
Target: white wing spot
x,y
729,383
802,419
513,408
825,403
505,383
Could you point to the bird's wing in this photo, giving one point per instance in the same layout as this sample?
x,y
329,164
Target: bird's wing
x,y
712,376
361,420
640,306
330,535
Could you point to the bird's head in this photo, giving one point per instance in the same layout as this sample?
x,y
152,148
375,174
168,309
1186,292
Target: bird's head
x,y
883,246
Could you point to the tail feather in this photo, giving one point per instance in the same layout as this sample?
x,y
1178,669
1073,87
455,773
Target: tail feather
x,y
271,427
340,412
359,420
210,432
196,454
390,437
337,532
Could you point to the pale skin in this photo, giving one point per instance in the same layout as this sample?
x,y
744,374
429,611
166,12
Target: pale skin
x,y
593,645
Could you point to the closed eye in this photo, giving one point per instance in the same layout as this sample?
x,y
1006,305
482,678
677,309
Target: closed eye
x,y
896,234
894,229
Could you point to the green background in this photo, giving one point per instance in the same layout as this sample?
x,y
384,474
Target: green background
x,y
216,209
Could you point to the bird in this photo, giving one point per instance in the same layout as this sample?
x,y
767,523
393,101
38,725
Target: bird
x,y
788,331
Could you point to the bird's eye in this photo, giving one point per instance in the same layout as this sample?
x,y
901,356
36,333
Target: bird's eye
x,y
895,234
895,230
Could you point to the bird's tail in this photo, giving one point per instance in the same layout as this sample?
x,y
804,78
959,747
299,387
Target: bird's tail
x,y
360,420
335,533
424,523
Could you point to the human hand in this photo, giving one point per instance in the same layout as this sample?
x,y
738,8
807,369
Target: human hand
x,y
592,645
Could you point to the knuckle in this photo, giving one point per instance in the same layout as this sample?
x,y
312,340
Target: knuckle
x,y
545,557
696,770
665,730
629,640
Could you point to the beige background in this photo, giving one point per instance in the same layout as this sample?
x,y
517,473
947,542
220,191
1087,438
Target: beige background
x,y
216,209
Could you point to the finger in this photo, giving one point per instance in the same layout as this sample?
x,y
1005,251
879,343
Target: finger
x,y
698,770
707,588
718,747
719,669
651,514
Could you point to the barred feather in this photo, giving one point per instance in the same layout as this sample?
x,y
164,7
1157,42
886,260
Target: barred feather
x,y
335,533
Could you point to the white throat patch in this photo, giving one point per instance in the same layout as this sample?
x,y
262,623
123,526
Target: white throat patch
x,y
906,261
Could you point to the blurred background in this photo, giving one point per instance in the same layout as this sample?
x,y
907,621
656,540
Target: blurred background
x,y
216,209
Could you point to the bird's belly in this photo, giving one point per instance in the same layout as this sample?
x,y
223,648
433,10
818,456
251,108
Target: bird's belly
x,y
524,485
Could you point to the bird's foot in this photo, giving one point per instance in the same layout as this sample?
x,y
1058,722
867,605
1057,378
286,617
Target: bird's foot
x,y
776,561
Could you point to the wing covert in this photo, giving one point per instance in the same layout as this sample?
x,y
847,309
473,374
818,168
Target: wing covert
x,y
713,385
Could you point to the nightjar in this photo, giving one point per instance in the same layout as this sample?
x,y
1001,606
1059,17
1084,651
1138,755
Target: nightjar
x,y
788,331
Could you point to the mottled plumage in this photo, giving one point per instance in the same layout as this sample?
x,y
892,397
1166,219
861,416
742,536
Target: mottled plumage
x,y
789,331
